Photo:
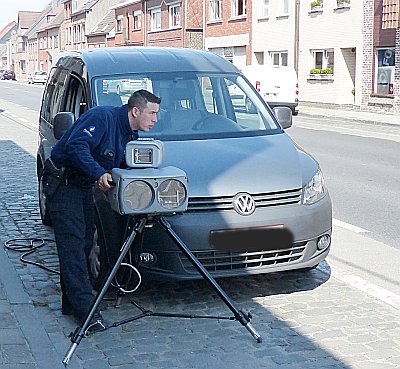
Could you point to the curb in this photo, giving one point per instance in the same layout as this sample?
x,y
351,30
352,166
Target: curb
x,y
349,118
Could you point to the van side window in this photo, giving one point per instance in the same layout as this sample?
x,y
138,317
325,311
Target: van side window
x,y
75,100
53,94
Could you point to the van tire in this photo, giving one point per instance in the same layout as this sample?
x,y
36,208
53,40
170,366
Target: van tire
x,y
44,213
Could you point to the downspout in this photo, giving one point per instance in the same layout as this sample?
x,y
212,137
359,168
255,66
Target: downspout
x,y
145,23
296,36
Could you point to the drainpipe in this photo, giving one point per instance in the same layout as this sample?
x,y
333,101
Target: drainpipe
x,y
296,35
145,24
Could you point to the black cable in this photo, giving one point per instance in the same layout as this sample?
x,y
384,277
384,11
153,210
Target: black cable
x,y
29,246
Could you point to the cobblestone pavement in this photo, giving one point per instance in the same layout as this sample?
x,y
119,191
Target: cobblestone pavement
x,y
307,319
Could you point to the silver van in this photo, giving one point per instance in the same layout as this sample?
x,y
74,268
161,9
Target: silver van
x,y
248,180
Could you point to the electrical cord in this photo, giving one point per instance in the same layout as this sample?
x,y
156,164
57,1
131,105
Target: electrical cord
x,y
28,246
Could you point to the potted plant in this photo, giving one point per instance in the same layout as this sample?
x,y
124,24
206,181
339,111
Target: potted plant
x,y
316,4
343,3
327,71
315,71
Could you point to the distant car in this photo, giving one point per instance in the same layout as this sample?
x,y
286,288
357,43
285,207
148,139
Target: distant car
x,y
124,86
277,85
37,77
8,74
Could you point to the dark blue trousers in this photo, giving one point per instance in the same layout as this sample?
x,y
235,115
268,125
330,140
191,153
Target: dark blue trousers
x,y
72,213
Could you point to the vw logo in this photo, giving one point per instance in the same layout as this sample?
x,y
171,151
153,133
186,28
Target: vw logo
x,y
244,204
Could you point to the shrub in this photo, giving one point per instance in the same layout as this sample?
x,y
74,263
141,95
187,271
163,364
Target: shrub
x,y
315,71
315,3
327,71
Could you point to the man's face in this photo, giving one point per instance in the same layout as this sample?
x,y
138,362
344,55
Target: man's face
x,y
145,120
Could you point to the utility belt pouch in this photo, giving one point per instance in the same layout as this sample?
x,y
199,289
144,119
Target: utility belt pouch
x,y
52,177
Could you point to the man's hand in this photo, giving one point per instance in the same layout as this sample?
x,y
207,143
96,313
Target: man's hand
x,y
104,182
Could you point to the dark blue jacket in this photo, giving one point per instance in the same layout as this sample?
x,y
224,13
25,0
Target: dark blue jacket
x,y
96,142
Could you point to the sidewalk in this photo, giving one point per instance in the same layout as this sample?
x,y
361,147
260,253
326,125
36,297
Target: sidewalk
x,y
348,113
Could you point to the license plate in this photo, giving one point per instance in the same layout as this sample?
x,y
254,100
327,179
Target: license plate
x,y
275,237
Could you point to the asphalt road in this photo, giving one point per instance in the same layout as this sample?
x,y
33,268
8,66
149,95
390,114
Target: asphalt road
x,y
361,169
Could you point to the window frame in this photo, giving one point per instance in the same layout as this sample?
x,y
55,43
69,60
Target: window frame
x,y
215,10
279,54
236,7
264,6
174,18
155,19
325,62
387,72
137,20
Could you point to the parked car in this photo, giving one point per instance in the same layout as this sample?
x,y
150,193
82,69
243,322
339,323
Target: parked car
x,y
246,175
278,85
37,77
124,85
8,74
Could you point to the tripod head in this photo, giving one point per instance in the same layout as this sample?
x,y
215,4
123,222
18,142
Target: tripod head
x,y
147,188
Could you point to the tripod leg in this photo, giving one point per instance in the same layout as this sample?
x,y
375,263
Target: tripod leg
x,y
81,330
243,318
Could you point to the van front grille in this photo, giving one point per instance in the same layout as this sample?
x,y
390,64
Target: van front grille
x,y
261,200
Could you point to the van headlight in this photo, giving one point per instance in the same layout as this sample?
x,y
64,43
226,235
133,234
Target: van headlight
x,y
314,190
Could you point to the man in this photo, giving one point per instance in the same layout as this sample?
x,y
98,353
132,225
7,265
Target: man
x,y
88,150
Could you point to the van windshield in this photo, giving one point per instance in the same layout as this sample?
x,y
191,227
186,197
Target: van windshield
x,y
194,105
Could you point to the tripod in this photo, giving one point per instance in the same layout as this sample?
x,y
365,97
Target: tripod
x,y
80,332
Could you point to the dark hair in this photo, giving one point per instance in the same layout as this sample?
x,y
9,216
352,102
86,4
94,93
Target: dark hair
x,y
140,99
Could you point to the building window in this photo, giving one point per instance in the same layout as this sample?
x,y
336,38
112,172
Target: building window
x,y
264,9
215,10
238,8
175,15
283,7
279,58
384,71
155,19
390,14
323,60
119,23
137,19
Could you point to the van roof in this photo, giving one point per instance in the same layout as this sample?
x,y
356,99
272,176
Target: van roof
x,y
128,59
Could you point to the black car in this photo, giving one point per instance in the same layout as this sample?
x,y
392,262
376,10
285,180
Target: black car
x,y
8,74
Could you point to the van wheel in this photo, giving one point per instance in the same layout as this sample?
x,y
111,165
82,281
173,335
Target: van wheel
x,y
250,108
44,214
100,261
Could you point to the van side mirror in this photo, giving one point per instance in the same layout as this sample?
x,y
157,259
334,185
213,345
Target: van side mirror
x,y
284,116
62,123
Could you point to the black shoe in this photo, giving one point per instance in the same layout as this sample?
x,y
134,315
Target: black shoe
x,y
97,324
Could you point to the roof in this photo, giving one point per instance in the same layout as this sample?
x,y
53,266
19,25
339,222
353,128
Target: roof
x,y
127,59
105,25
85,7
55,21
6,31
26,19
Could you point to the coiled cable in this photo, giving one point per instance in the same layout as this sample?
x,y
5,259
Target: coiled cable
x,y
28,246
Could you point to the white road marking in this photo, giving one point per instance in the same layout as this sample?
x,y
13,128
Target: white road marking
x,y
369,288
351,132
348,226
23,120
